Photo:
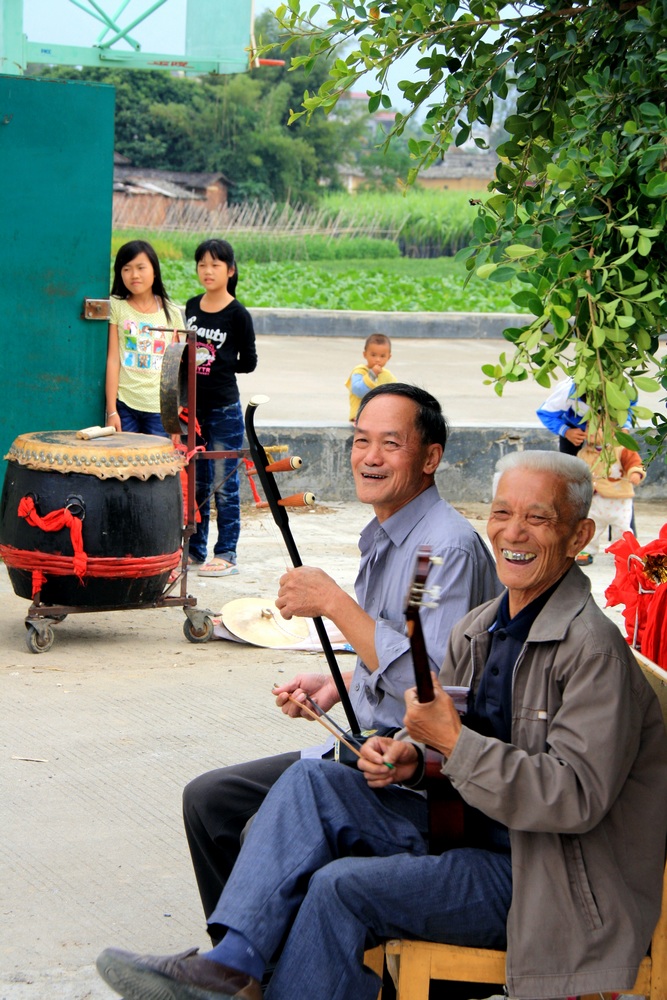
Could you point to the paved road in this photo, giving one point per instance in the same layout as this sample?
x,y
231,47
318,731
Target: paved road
x,y
305,379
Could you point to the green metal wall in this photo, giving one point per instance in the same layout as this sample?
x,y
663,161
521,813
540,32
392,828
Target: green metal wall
x,y
56,182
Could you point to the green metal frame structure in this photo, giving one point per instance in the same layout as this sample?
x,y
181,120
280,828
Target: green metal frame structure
x,y
218,35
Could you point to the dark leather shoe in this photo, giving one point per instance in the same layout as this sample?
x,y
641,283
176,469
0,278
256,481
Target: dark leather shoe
x,y
188,976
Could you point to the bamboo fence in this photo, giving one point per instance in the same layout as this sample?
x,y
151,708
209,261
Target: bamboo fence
x,y
187,216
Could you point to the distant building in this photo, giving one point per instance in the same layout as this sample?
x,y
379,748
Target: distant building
x,y
460,170
144,196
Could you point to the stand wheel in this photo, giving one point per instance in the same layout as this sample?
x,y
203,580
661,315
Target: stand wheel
x,y
39,642
193,634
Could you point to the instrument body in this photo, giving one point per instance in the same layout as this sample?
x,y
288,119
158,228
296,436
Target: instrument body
x,y
446,808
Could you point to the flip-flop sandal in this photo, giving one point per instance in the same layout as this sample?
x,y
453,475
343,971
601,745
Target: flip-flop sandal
x,y
217,567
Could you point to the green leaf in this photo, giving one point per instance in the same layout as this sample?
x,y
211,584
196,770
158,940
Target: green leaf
x,y
517,250
646,384
485,270
503,273
617,399
644,246
657,186
530,301
626,440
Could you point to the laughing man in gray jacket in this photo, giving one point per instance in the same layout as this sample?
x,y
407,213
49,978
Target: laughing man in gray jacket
x,y
561,759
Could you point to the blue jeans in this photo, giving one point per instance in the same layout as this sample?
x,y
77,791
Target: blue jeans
x,y
331,867
138,421
222,430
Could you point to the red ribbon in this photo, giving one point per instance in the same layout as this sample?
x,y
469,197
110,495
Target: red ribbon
x,y
56,521
42,564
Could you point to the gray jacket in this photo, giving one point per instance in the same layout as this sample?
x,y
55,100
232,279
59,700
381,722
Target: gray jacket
x,y
582,788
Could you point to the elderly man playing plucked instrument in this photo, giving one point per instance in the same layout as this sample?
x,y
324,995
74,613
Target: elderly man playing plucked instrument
x,y
562,756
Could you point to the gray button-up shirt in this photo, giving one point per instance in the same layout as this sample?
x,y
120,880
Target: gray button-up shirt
x,y
466,578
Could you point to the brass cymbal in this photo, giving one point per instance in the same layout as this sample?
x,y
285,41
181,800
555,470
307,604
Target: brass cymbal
x,y
256,620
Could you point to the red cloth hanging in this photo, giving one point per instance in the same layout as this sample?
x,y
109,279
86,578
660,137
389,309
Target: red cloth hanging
x,y
56,521
633,587
654,639
184,416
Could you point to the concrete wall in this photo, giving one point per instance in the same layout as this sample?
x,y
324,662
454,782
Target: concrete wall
x,y
359,324
465,474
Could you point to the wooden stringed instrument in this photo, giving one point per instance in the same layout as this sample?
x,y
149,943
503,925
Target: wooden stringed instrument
x,y
445,805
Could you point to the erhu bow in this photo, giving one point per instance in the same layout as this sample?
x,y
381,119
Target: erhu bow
x,y
277,506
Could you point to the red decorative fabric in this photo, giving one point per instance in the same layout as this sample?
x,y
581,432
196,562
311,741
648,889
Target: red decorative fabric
x,y
632,587
55,521
654,639
250,472
43,564
189,455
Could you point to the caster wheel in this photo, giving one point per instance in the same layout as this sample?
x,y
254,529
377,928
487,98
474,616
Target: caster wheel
x,y
37,643
198,635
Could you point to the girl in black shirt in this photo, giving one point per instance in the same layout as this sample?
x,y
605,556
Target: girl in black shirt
x,y
225,346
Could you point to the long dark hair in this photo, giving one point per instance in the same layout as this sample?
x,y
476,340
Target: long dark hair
x,y
220,250
128,252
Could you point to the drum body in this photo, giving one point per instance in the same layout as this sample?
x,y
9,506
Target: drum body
x,y
127,492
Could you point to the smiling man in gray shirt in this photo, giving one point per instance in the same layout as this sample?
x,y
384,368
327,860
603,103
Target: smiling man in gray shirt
x,y
399,439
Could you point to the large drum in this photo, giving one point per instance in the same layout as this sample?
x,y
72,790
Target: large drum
x,y
91,523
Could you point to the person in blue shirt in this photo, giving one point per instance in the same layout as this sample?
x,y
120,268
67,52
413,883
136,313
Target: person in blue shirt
x,y
398,442
565,414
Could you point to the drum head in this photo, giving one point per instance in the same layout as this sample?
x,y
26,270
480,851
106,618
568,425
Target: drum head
x,y
119,456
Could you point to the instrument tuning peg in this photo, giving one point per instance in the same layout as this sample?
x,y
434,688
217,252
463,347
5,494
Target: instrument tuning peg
x,y
434,593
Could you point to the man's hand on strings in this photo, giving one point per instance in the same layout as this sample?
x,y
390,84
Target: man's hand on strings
x,y
380,751
307,592
436,723
319,686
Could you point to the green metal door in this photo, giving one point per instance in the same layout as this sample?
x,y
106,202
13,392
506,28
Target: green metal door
x,y
56,171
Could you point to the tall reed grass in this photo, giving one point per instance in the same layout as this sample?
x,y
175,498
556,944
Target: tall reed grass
x,y
426,223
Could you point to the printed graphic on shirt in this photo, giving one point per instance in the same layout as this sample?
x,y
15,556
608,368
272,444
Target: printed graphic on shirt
x,y
139,349
211,341
205,358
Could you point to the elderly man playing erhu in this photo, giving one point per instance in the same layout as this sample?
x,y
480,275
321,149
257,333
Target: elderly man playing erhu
x,y
561,760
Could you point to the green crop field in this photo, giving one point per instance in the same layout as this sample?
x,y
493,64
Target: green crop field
x,y
348,255
401,284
